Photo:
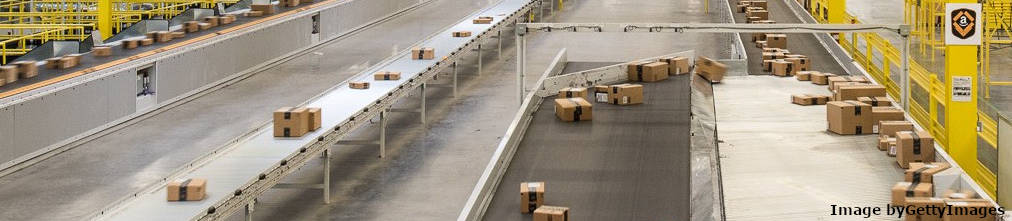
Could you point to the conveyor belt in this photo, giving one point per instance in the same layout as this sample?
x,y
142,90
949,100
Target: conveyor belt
x,y
805,44
249,167
629,163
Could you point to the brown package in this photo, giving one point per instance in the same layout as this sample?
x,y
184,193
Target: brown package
x,y
804,75
186,190
26,69
926,205
709,69
768,65
677,65
101,51
800,63
53,63
647,71
163,36
460,34
130,43
876,101
759,37
849,117
263,9
482,20
820,78
253,13
886,142
803,99
68,62
759,15
178,34
902,190
226,19
423,53
574,109
358,85
290,3
551,213
886,114
852,92
191,26
890,127
601,93
532,196
837,79
914,147
386,75
291,122
8,71
776,40
147,41
968,205
783,68
571,92
315,118
625,94
923,172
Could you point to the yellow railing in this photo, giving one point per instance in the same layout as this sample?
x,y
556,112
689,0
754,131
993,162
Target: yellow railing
x,y
54,33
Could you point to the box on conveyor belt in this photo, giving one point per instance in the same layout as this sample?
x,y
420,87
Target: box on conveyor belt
x,y
770,55
551,213
101,51
913,147
835,79
386,75
954,194
809,99
253,13
532,195
291,122
970,210
625,94
783,68
358,85
263,9
305,1
26,69
290,3
53,63
647,71
151,34
147,41
193,189
130,43
876,101
776,40
204,26
759,15
804,75
760,3
759,37
67,62
191,26
923,172
771,49
571,92
226,19
163,36
601,93
903,190
315,118
890,127
8,71
761,44
852,92
800,63
923,208
423,53
768,65
482,20
742,8
677,65
178,34
886,142
886,114
460,34
574,109
849,117
710,69
834,86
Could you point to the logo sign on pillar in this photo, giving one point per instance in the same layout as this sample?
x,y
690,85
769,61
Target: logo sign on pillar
x,y
963,24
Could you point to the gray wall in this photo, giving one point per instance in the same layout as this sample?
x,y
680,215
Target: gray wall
x,y
47,118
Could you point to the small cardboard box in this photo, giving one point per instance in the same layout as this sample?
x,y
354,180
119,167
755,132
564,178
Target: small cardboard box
x,y
885,142
315,118
886,114
837,79
551,213
178,34
358,85
768,65
852,92
7,71
647,71
759,37
849,117
890,127
677,65
804,75
783,68
291,122
914,147
461,34
758,14
101,51
253,13
532,196
423,53
147,41
800,63
386,76
191,26
876,101
820,78
809,99
759,3
571,92
193,189
130,43
305,1
68,62
53,63
226,19
710,69
625,94
927,206
902,190
970,205
923,172
263,9
761,44
601,93
26,69
776,40
834,86
771,50
163,36
954,194
574,109
483,20
290,3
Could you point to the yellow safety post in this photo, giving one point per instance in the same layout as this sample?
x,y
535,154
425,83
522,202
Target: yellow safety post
x,y
560,5
105,18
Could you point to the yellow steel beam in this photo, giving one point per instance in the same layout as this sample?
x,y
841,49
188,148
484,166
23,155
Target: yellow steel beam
x,y
105,18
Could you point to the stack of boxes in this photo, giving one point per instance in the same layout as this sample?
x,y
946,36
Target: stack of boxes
x,y
647,71
295,122
532,200
20,69
677,65
710,69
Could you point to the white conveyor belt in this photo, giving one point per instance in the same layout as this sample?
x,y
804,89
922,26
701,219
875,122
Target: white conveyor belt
x,y
240,172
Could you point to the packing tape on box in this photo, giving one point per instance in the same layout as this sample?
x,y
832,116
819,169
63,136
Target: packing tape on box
x,y
917,174
578,111
917,143
182,189
532,196
639,72
569,94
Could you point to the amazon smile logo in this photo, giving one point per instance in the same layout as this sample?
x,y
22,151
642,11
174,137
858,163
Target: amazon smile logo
x,y
963,21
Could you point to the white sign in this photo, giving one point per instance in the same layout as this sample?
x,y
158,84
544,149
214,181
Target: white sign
x,y
962,88
962,26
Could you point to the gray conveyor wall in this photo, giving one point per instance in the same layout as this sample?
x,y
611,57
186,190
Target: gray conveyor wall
x,y
37,122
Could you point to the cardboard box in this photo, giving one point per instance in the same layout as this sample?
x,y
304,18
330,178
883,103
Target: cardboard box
x,y
291,122
191,26
761,3
263,9
761,44
151,34
852,92
625,94
574,109
53,63
305,1
768,65
386,76
837,79
956,194
67,62
226,19
970,205
885,142
759,37
163,36
358,85
820,78
551,213
532,196
8,71
423,53
130,43
178,34
836,85
193,189
571,92
101,51
741,8
886,114
783,68
253,13
710,69
903,190
914,147
800,63
677,65
647,71
928,207
876,101
752,19
804,75
290,3
315,118
809,99
460,34
890,127
482,20
26,69
758,14
849,117
147,41
776,40
601,93
923,172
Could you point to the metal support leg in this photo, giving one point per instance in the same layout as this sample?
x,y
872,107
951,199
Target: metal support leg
x,y
479,59
520,69
422,110
500,42
326,176
905,79
249,211
454,79
383,134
